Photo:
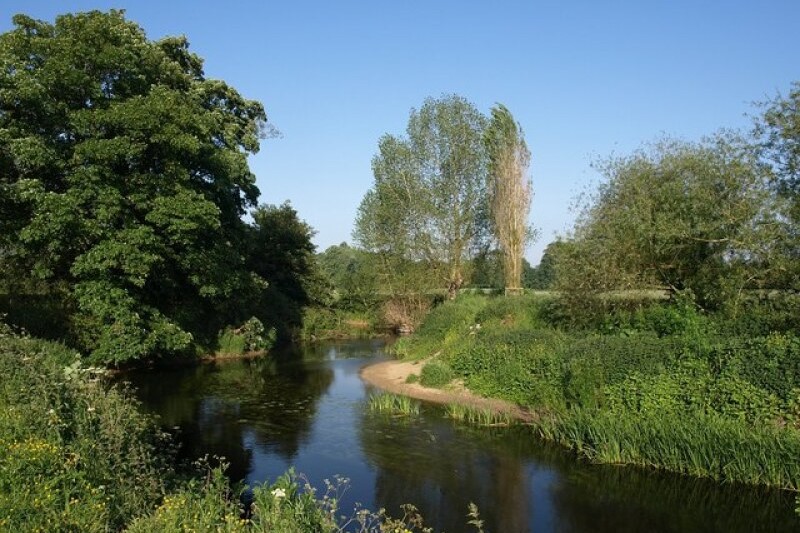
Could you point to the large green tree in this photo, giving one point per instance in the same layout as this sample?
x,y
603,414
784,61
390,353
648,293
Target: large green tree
x,y
428,203
280,251
123,180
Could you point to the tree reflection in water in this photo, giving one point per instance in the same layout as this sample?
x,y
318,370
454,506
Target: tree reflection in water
x,y
217,406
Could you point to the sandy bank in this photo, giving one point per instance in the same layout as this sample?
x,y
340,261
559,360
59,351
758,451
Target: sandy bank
x,y
391,376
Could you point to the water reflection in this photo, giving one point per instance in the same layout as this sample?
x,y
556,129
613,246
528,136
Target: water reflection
x,y
307,409
230,408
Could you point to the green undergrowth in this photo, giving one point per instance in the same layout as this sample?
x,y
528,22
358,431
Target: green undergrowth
x,y
77,455
660,385
436,373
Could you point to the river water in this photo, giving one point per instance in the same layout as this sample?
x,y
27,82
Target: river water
x,y
307,409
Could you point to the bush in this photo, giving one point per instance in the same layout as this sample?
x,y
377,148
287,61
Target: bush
x,y
435,374
77,454
249,337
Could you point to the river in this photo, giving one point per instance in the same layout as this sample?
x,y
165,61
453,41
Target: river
x,y
307,409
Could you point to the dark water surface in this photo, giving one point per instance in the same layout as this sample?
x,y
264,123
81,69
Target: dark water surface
x,y
307,410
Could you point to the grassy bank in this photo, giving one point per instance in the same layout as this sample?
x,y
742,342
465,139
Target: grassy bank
x,y
660,385
78,455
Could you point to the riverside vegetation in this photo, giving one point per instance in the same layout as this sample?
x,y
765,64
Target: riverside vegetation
x,y
661,385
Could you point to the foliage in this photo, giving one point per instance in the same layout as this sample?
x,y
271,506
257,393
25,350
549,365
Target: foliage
x,y
321,323
123,179
509,190
543,275
778,131
77,455
249,337
353,275
680,216
281,253
428,202
404,313
661,385
436,374
444,325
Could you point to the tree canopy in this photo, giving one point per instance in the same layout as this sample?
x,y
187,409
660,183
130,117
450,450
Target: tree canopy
x,y
428,202
680,216
123,182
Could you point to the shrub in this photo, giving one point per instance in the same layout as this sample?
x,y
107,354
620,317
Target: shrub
x,y
249,337
76,453
436,374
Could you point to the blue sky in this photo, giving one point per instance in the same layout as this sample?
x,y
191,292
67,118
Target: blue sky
x,y
585,79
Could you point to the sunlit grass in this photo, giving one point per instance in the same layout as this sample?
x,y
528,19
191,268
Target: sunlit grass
x,y
478,416
392,404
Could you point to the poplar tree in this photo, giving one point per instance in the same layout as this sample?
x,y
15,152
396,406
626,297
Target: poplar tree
x,y
509,192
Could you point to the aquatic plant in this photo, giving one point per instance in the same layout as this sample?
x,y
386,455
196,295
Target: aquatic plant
x,y
477,415
393,404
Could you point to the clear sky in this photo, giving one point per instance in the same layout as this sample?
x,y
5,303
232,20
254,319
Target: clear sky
x,y
586,79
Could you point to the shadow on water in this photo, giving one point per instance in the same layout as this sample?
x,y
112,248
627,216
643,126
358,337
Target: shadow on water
x,y
217,408
307,408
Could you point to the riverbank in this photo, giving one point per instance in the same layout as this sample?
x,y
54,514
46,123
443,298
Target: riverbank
x,y
393,376
665,388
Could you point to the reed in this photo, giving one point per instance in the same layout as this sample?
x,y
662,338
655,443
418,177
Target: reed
x,y
478,416
392,404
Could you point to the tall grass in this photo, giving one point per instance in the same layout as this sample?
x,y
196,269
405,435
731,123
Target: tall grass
x,y
392,404
478,416
704,446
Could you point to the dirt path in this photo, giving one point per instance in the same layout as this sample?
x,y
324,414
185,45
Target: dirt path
x,y
391,376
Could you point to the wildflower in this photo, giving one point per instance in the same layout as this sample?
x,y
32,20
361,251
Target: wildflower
x,y
279,493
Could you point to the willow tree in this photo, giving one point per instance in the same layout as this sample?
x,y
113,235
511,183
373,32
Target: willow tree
x,y
509,191
677,216
426,211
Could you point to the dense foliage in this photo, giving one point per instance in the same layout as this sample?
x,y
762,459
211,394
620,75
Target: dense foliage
x,y
77,456
123,183
428,205
664,385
